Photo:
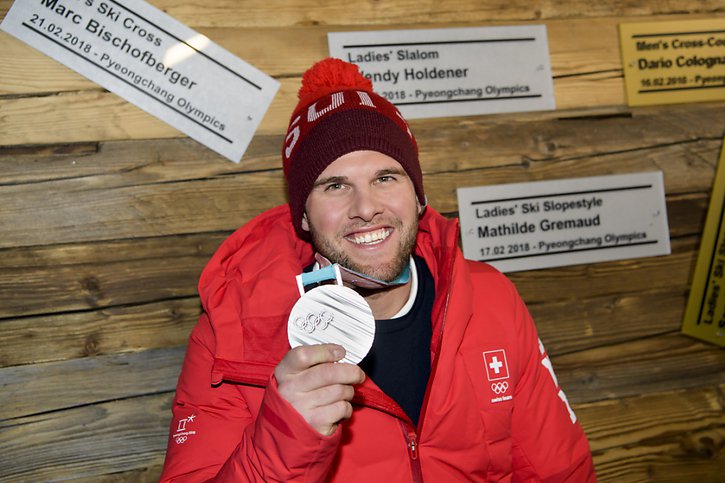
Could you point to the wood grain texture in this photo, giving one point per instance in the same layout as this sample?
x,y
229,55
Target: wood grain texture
x,y
619,370
574,282
639,366
296,48
47,279
642,438
63,278
113,330
87,442
567,327
672,436
688,134
134,200
587,73
40,388
258,13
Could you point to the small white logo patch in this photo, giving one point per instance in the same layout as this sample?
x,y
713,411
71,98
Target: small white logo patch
x,y
182,433
497,372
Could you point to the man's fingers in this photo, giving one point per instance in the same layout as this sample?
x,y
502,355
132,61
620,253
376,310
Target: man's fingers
x,y
317,386
317,377
327,395
325,419
302,358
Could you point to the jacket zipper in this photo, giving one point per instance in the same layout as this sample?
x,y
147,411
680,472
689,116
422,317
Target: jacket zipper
x,y
409,433
411,439
434,364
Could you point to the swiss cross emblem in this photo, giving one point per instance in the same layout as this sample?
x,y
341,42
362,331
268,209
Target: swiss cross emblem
x,y
496,366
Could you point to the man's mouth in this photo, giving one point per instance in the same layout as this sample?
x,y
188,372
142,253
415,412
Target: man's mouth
x,y
371,237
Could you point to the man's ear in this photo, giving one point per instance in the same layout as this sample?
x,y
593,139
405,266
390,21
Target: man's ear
x,y
305,224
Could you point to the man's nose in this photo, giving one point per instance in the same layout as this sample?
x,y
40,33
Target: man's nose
x,y
366,204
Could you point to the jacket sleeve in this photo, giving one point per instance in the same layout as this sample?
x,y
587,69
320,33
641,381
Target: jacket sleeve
x,y
215,437
548,442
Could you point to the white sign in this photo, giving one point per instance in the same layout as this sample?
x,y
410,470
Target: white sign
x,y
525,226
454,72
154,62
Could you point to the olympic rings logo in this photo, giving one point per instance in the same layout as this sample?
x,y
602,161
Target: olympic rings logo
x,y
181,439
500,387
311,322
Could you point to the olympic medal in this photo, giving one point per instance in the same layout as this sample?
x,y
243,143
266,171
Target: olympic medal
x,y
333,314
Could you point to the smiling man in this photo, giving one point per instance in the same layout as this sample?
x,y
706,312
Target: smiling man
x,y
456,386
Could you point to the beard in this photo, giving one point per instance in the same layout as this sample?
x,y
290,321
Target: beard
x,y
386,272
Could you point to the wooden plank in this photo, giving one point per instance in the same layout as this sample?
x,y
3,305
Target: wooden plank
x,y
598,321
688,168
61,278
40,388
645,139
113,330
586,74
655,434
77,117
648,417
148,474
603,321
654,364
81,210
596,51
123,163
686,136
575,282
380,13
666,461
95,115
669,436
127,436
166,209
635,367
686,213
65,278
55,279
29,288
258,13
142,205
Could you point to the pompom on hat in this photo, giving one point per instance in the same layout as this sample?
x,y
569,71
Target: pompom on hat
x,y
338,113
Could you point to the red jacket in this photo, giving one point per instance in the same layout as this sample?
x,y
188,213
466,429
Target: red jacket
x,y
493,410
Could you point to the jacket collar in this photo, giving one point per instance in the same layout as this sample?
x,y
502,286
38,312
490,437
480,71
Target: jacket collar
x,y
258,263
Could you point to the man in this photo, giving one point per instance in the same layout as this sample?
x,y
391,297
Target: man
x,y
457,386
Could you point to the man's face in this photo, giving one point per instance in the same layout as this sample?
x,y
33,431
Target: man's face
x,y
362,213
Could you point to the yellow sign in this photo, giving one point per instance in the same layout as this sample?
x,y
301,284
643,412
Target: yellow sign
x,y
673,62
705,313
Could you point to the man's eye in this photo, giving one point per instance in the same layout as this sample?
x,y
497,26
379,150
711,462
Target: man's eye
x,y
386,178
333,186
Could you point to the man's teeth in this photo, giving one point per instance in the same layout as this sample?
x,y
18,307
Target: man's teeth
x,y
371,237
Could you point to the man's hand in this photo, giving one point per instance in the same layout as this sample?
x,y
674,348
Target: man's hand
x,y
320,390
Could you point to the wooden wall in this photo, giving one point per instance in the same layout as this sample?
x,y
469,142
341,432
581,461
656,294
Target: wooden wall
x,y
107,216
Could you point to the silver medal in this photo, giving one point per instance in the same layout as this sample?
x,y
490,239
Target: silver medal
x,y
332,314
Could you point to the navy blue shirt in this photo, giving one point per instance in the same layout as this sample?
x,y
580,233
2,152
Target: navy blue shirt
x,y
399,361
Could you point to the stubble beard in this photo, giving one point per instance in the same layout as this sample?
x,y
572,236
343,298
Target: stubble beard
x,y
386,272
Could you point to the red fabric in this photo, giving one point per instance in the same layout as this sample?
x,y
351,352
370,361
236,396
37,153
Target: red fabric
x,y
242,430
330,75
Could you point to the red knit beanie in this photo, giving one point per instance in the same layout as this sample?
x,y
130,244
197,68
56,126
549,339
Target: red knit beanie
x,y
339,113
